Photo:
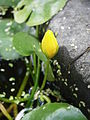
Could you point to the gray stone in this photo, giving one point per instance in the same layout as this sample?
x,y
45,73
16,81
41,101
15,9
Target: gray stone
x,y
72,26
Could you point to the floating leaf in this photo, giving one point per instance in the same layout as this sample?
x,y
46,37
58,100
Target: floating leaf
x,y
26,44
7,51
36,12
8,29
8,2
55,111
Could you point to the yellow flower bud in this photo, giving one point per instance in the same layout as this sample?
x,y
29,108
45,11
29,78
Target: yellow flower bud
x,y
49,44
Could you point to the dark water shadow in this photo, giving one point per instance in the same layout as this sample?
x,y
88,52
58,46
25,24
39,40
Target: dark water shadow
x,y
72,88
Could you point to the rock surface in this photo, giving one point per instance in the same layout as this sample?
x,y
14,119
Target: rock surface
x,y
72,26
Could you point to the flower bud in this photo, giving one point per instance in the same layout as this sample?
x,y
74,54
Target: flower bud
x,y
49,44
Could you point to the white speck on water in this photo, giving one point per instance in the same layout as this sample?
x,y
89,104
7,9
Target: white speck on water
x,y
65,80
58,71
66,83
9,23
74,94
12,79
76,89
10,65
2,70
7,29
62,79
68,107
28,68
82,103
22,104
13,48
68,72
54,63
57,63
13,83
88,86
44,107
13,89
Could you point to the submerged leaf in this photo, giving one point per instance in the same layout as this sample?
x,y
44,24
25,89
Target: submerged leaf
x,y
7,51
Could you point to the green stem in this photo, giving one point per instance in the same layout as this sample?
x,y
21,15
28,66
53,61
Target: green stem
x,y
23,84
4,111
6,100
45,76
34,55
34,62
35,86
37,31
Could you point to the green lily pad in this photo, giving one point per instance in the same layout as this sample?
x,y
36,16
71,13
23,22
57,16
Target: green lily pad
x,y
8,29
55,111
8,2
37,12
26,44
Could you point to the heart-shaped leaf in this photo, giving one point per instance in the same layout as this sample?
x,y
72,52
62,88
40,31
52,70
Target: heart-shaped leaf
x,y
8,29
36,12
26,44
55,111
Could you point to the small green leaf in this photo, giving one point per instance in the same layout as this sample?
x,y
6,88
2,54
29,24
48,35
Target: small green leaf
x,y
55,111
37,12
26,44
